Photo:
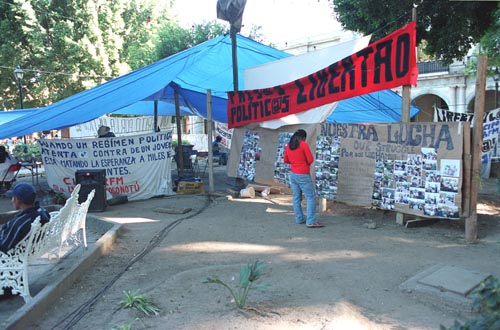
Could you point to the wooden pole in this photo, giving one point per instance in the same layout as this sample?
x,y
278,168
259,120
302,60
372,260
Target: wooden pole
x,y
211,188
477,143
405,112
180,156
155,119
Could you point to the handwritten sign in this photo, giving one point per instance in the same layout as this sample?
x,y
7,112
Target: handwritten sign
x,y
137,166
412,168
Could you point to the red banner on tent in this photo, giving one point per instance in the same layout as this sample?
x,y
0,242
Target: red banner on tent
x,y
387,63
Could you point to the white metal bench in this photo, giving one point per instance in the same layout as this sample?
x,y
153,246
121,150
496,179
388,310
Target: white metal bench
x,y
63,226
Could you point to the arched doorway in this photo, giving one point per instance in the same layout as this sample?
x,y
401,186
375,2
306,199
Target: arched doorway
x,y
426,104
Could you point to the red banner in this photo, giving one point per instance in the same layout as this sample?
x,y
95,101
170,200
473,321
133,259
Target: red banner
x,y
387,63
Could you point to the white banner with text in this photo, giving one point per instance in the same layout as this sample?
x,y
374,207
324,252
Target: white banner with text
x,y
136,166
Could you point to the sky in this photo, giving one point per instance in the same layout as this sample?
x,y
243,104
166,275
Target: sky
x,y
281,20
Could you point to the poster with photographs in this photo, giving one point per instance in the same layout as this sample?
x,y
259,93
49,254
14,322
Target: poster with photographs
x,y
327,166
384,186
419,184
281,170
250,153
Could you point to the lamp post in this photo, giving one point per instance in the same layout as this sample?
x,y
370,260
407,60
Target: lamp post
x,y
18,74
496,77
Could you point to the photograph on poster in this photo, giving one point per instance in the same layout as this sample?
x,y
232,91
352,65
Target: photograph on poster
x,y
446,199
281,169
449,184
429,154
448,211
430,165
387,203
450,167
416,182
432,187
433,176
402,197
415,159
400,167
416,204
431,210
249,152
414,170
417,193
403,187
431,198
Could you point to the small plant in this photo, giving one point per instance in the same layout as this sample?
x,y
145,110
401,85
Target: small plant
x,y
127,326
249,274
140,303
487,306
59,198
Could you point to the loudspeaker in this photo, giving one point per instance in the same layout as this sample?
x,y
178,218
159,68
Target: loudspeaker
x,y
90,180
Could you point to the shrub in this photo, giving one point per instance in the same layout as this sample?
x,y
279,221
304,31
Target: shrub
x,y
249,274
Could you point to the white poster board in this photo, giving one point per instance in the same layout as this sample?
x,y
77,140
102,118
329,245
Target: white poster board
x,y
136,166
121,126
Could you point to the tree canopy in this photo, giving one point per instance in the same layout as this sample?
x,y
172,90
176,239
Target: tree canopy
x,y
65,47
449,28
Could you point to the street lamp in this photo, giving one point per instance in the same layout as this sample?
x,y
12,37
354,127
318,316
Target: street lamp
x,y
18,74
496,77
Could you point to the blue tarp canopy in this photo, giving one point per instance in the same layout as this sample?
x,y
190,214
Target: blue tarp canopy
x,y
190,73
377,107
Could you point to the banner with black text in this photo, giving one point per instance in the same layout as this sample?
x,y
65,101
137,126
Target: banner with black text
x,y
387,63
137,166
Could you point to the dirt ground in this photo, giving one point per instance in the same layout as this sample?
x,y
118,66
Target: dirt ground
x,y
343,276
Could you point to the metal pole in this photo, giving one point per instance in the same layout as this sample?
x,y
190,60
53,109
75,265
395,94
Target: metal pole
x,y
496,94
20,85
235,58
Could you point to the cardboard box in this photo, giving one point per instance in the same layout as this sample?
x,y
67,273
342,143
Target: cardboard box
x,y
189,188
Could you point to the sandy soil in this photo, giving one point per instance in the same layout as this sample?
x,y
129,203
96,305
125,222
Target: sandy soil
x,y
343,276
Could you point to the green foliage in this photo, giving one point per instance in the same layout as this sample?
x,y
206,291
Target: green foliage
x,y
184,142
486,304
26,152
128,326
450,28
59,198
490,42
140,303
249,274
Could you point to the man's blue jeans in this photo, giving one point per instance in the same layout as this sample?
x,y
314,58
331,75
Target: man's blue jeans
x,y
302,183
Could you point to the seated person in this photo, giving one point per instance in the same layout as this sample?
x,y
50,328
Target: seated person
x,y
219,150
23,199
5,161
104,132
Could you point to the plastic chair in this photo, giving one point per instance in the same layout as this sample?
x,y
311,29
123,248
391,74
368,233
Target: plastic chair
x,y
10,176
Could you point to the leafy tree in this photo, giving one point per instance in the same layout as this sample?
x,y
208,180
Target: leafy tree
x,y
65,47
491,41
68,46
450,28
